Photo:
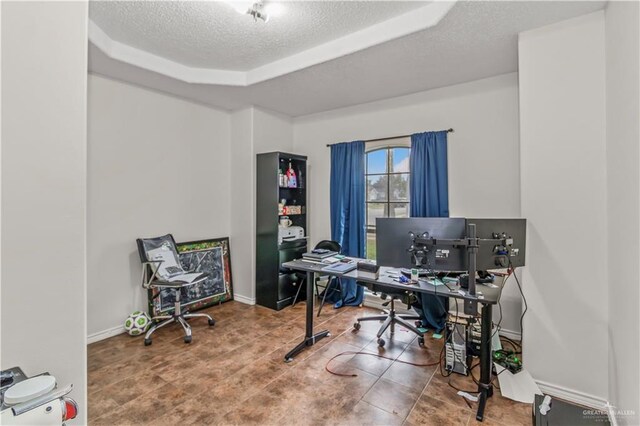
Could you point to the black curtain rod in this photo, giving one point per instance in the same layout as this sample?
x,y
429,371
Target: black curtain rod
x,y
389,138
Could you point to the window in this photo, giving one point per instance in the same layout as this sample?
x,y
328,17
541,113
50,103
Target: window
x,y
387,177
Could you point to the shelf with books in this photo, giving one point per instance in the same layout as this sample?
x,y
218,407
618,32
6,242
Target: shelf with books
x,y
291,172
281,202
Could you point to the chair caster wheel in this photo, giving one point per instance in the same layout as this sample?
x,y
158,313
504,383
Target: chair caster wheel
x,y
381,343
147,342
212,322
356,326
421,342
187,339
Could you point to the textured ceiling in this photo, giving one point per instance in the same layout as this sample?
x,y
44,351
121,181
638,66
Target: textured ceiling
x,y
211,34
474,40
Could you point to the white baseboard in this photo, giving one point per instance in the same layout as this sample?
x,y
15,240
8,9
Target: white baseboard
x,y
104,334
579,398
114,331
244,299
513,335
573,396
611,413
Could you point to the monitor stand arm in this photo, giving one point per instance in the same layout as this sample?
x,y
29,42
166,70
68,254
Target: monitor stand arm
x,y
471,306
418,257
472,252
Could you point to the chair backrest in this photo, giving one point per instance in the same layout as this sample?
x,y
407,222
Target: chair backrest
x,y
161,248
329,245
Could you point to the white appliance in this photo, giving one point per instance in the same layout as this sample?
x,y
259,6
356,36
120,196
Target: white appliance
x,y
34,401
290,233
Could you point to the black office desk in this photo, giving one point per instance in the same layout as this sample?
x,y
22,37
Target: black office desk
x,y
486,296
309,338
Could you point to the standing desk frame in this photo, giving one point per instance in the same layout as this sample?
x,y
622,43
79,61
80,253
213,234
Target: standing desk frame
x,y
484,295
310,339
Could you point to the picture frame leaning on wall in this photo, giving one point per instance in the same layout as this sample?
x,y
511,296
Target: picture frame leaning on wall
x,y
212,257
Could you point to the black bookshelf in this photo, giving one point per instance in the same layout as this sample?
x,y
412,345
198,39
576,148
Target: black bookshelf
x,y
276,287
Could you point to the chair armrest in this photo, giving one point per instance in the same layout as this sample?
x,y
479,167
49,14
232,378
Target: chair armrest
x,y
165,284
154,266
177,283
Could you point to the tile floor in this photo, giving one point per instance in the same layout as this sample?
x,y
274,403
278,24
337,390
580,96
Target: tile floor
x,y
233,373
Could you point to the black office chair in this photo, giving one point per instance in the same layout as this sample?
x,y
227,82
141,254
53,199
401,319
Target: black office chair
x,y
391,318
326,245
161,269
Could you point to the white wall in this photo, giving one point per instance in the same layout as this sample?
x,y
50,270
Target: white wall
x,y
156,165
254,131
272,131
484,115
563,170
143,144
623,158
242,205
484,179
44,63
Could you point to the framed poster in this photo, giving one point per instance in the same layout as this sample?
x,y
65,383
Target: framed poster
x,y
212,257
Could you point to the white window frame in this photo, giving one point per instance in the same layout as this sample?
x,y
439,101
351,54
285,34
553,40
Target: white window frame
x,y
375,146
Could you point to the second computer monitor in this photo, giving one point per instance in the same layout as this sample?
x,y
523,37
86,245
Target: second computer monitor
x,y
494,256
393,241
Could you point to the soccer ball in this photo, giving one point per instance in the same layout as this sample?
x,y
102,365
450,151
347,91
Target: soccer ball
x,y
137,323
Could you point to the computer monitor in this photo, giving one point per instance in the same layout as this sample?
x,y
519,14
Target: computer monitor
x,y
492,256
393,241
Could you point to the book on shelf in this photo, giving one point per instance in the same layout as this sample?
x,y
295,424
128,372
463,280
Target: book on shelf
x,y
319,254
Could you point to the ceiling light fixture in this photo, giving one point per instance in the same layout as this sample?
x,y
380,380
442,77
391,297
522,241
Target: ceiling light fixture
x,y
254,9
256,12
